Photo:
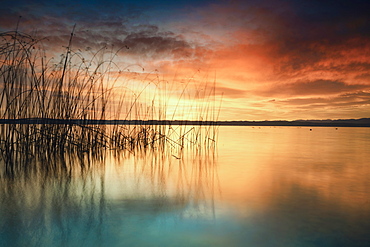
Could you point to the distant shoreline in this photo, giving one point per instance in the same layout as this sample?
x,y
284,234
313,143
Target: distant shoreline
x,y
363,122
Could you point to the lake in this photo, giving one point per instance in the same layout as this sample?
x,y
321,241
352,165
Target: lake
x,y
258,186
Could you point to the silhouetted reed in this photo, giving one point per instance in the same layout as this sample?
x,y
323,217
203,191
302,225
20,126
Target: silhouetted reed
x,y
76,88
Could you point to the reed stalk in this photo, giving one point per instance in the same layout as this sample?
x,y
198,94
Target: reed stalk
x,y
32,87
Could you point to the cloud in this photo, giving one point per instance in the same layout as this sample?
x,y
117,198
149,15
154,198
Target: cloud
x,y
363,77
294,34
230,92
361,98
348,105
141,43
317,87
145,42
152,43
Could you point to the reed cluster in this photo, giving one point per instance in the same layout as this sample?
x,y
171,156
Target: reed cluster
x,y
32,86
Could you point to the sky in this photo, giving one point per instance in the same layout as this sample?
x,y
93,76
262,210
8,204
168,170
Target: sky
x,y
267,60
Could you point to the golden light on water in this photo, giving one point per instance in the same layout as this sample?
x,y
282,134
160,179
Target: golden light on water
x,y
263,161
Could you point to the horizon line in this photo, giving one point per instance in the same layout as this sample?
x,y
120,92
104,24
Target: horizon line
x,y
360,122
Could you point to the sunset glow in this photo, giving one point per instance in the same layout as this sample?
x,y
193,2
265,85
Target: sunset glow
x,y
260,60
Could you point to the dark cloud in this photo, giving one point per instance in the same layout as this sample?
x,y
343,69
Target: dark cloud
x,y
350,56
361,98
357,96
145,41
291,20
333,18
151,43
317,87
98,24
350,67
364,77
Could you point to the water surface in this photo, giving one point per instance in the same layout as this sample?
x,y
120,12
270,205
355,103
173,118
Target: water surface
x,y
261,186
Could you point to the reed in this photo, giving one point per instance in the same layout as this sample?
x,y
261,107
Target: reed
x,y
33,87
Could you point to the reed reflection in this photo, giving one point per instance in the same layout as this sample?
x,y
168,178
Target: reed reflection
x,y
178,182
40,206
81,198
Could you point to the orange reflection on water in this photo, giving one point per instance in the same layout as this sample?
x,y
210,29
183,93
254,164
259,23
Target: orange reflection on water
x,y
258,164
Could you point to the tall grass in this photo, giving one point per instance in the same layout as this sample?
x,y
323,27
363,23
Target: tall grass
x,y
33,86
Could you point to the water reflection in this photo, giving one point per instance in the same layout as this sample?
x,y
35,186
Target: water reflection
x,y
89,200
261,187
295,187
41,206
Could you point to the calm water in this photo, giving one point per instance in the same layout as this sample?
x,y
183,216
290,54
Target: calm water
x,y
283,186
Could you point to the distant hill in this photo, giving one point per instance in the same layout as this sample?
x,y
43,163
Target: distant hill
x,y
362,122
